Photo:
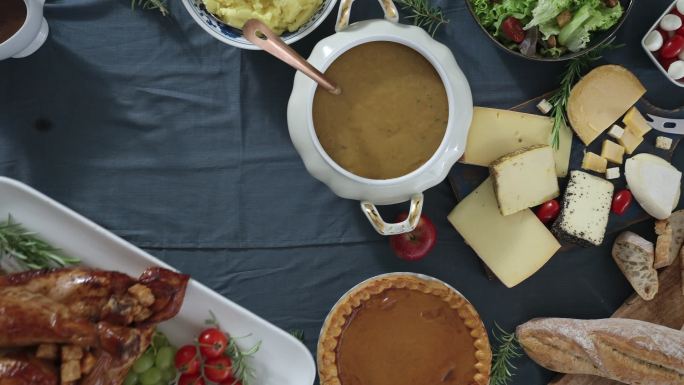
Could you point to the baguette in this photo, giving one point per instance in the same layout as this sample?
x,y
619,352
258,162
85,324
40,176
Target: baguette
x,y
670,233
630,351
634,256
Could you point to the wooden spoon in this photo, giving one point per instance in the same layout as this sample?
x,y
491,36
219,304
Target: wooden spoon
x,y
262,36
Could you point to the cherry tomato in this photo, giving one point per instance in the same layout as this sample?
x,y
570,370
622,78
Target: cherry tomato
x,y
548,211
186,360
666,62
621,201
190,379
513,29
218,369
672,47
212,343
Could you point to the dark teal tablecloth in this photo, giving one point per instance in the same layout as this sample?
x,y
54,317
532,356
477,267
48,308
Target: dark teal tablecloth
x,y
179,144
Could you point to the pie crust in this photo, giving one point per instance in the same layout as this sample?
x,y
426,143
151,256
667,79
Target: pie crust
x,y
337,319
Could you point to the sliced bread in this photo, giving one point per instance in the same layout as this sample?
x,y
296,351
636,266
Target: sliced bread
x,y
634,256
670,239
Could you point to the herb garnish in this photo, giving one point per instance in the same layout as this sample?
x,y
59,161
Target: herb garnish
x,y
242,371
151,4
573,72
27,251
298,334
506,352
423,14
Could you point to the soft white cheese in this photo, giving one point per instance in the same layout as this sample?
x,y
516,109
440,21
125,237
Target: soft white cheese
x,y
613,173
663,143
586,207
655,184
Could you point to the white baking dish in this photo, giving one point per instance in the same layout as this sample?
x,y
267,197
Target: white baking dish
x,y
281,360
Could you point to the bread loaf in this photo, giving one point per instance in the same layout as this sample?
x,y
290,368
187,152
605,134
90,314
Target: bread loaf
x,y
670,233
634,256
630,351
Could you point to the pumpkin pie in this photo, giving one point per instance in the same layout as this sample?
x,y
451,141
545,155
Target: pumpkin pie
x,y
402,329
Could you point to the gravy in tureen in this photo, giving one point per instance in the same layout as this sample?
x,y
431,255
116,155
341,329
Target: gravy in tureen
x,y
392,114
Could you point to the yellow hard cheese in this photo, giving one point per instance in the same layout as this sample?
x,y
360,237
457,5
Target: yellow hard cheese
x,y
594,162
495,133
636,122
600,98
612,151
514,247
630,140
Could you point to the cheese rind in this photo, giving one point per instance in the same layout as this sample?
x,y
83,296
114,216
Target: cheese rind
x,y
600,98
630,140
636,122
495,133
524,178
586,207
514,247
612,151
594,162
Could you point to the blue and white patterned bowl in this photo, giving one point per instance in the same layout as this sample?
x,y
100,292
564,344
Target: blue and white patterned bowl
x,y
233,36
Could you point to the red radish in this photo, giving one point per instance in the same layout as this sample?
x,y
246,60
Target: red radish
x,y
513,29
416,244
672,47
621,201
548,211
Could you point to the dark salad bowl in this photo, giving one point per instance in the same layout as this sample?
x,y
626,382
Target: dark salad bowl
x,y
597,38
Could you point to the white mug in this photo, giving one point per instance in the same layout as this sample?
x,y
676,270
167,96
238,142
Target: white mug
x,y
30,36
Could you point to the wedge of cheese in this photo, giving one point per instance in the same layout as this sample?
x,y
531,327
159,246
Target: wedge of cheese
x,y
600,98
634,120
524,179
655,184
514,247
586,206
495,133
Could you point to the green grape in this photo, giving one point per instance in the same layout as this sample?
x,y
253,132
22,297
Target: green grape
x,y
151,376
164,357
131,378
168,374
143,363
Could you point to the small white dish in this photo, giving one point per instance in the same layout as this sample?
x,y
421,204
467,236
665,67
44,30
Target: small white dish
x,y
651,54
281,360
233,36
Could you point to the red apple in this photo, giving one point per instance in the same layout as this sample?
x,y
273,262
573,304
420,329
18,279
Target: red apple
x,y
416,244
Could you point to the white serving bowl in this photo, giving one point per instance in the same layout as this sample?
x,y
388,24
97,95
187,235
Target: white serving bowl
x,y
233,36
650,54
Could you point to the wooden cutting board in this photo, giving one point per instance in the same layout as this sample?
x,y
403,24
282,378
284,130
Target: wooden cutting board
x,y
667,308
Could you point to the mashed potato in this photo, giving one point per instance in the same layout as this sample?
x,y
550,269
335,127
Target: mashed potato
x,y
280,15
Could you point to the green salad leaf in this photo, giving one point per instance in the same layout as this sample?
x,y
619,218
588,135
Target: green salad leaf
x,y
492,14
546,11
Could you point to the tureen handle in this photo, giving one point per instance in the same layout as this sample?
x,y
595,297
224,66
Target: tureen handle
x,y
385,228
344,12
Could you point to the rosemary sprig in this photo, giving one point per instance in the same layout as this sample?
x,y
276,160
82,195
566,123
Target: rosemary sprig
x,y
506,352
298,334
573,72
27,250
151,4
423,14
242,371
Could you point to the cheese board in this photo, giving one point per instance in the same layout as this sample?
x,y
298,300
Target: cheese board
x,y
464,178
